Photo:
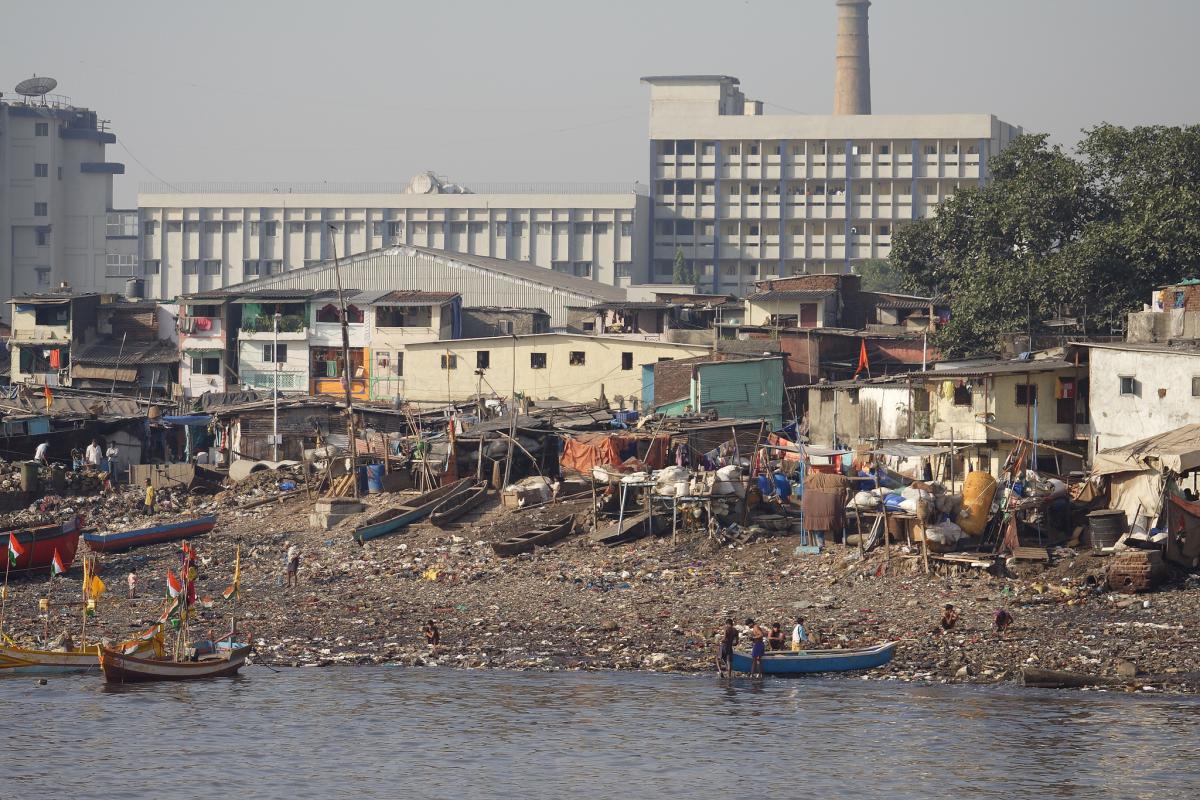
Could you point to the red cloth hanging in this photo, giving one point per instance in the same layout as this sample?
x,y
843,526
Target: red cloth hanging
x,y
55,359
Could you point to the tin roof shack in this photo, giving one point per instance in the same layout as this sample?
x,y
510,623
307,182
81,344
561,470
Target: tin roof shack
x,y
134,351
482,321
397,320
729,386
208,324
46,329
72,422
244,431
994,404
849,412
1140,389
689,322
257,355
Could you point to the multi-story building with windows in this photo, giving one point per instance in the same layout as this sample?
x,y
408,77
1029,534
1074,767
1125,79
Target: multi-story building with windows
x,y
57,221
748,196
203,237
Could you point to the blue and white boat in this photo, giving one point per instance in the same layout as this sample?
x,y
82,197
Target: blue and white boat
x,y
784,662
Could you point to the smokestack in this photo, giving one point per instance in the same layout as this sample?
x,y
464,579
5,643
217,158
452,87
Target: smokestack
x,y
852,79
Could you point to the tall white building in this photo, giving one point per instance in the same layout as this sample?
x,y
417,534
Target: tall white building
x,y
196,238
746,195
57,223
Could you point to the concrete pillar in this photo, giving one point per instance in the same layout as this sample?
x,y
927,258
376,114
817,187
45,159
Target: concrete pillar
x,y
852,76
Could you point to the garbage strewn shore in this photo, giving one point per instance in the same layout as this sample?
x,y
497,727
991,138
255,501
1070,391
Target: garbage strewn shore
x,y
646,605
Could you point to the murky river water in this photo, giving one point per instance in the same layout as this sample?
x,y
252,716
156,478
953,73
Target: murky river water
x,y
393,733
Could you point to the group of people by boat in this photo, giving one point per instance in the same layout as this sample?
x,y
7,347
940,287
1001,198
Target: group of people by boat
x,y
769,653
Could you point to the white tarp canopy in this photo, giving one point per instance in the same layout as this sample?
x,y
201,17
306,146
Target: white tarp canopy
x,y
1137,471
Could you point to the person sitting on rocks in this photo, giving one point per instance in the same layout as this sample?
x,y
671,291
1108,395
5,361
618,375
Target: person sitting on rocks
x,y
949,618
1003,620
775,637
433,637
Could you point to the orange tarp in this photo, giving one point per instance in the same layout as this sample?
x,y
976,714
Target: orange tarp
x,y
585,452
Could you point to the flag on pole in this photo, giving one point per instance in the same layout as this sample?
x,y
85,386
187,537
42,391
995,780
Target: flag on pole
x,y
863,363
96,587
56,564
49,395
231,590
15,550
174,585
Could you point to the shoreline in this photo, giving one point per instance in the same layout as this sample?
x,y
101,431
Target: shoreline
x,y
644,606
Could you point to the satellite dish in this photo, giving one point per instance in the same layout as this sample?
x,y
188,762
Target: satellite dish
x,y
36,87
423,183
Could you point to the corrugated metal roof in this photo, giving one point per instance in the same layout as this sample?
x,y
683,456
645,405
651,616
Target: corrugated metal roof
x,y
996,368
413,297
115,353
793,294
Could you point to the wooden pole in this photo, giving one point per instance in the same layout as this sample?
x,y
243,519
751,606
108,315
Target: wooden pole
x,y
887,547
346,372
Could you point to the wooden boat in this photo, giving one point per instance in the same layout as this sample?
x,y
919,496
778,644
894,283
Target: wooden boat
x,y
16,660
783,662
1060,679
545,534
634,526
120,668
456,505
40,542
116,541
393,519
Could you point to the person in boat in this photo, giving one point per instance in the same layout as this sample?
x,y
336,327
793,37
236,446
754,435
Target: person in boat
x,y
949,618
729,637
1003,620
757,647
148,506
775,637
433,636
293,563
799,635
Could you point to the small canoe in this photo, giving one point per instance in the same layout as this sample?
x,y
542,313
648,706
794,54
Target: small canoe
x,y
16,660
40,541
117,541
120,668
455,506
808,661
634,526
393,519
542,536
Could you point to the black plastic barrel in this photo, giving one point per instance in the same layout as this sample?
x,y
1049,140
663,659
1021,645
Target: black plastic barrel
x,y
1106,527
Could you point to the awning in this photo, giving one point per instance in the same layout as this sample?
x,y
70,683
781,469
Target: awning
x,y
903,450
190,419
122,374
1175,451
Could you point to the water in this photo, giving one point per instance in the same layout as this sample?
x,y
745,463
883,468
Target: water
x,y
393,732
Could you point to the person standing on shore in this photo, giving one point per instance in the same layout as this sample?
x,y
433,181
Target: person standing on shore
x,y
799,635
93,455
148,506
111,457
131,580
41,453
293,564
758,648
433,637
729,637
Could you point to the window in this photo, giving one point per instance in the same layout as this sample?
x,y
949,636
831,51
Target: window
x,y
117,265
623,269
589,326
250,267
583,269
398,369
885,230
191,266
212,267
885,149
501,228
150,267
684,227
328,313
393,230
272,267
931,149
483,359
518,228
150,227
545,228
254,229
203,311
377,229
212,227
1196,386
1027,394
269,228
206,365
41,129
274,355
41,170
685,148
403,316
537,360
504,327
1129,386
627,361
43,238
578,358
41,209
449,361
626,229
962,395
174,226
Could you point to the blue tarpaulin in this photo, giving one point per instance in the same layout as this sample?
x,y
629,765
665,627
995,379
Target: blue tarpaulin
x,y
191,419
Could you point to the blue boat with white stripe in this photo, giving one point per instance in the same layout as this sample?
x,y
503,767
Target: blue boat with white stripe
x,y
116,541
782,662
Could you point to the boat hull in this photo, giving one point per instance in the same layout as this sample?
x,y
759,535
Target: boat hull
x,y
455,506
120,668
40,543
814,661
30,661
125,540
414,510
538,538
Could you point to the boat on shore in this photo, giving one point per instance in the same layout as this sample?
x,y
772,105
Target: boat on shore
x,y
543,535
456,505
397,517
221,662
783,662
40,542
628,529
116,541
17,660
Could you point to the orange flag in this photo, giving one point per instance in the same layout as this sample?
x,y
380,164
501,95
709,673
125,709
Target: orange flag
x,y
863,363
49,396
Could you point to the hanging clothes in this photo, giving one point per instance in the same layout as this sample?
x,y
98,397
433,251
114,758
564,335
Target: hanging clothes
x,y
56,359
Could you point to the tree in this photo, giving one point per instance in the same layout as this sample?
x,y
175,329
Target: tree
x,y
682,272
878,276
1093,233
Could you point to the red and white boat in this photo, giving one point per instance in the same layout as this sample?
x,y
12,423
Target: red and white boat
x,y
39,543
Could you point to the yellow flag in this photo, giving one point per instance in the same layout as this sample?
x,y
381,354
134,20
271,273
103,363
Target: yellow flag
x,y
96,587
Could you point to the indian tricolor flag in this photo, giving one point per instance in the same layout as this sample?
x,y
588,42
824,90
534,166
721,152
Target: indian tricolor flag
x,y
174,585
56,565
15,550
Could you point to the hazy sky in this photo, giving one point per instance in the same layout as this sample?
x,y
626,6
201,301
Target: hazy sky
x,y
549,91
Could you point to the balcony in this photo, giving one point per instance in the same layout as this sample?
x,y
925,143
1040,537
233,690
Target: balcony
x,y
265,379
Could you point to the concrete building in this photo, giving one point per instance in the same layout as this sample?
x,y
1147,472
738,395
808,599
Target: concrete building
x,y
848,412
206,236
57,221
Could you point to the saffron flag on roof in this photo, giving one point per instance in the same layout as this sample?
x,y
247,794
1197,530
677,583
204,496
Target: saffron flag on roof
x,y
863,362
174,585
15,550
56,564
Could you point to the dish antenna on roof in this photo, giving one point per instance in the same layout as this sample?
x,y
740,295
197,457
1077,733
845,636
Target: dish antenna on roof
x,y
36,87
424,183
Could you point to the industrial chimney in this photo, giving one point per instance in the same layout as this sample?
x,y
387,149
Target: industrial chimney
x,y
852,79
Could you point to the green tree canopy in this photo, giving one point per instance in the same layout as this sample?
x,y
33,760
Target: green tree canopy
x,y
1093,232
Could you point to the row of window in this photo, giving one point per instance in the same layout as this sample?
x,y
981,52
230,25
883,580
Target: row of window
x,y
395,230
687,147
687,188
576,358
393,363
